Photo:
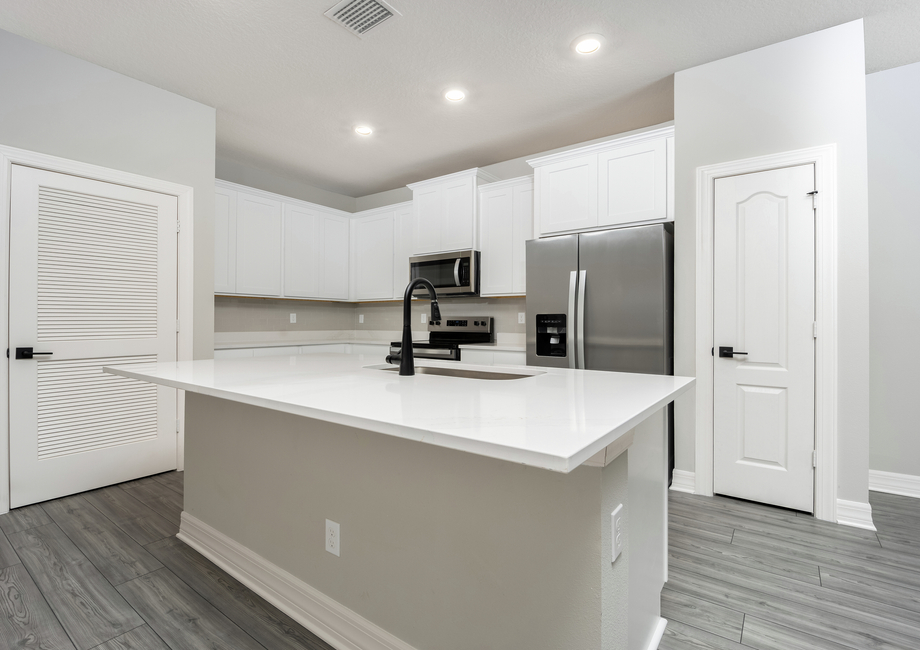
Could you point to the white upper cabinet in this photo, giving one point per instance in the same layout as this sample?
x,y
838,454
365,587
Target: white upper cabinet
x,y
506,222
444,211
372,254
633,183
269,245
224,241
258,245
617,182
301,271
333,256
403,248
568,194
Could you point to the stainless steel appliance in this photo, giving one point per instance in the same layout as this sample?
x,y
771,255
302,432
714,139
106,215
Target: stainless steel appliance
x,y
446,335
452,274
603,301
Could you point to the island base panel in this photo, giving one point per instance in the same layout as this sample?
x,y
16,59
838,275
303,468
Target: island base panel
x,y
440,548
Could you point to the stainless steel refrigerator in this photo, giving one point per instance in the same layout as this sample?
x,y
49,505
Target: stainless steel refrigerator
x,y
603,301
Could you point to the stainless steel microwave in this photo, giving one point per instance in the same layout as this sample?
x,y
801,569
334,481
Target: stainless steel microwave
x,y
452,274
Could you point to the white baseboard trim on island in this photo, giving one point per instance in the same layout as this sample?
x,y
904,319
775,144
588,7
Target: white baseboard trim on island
x,y
659,632
905,485
337,625
683,481
855,514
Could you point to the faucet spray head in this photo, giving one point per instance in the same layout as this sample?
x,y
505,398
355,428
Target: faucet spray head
x,y
435,312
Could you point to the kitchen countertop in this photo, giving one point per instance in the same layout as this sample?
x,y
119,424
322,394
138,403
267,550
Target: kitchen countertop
x,y
556,419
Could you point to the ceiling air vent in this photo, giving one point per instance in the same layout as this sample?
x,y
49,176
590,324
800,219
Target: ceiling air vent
x,y
361,16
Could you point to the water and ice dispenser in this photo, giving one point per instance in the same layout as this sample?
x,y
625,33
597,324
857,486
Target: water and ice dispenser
x,y
551,335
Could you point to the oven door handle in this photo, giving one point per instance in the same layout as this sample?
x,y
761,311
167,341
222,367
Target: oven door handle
x,y
457,271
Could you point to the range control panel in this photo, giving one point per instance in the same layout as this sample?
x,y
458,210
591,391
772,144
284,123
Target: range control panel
x,y
471,324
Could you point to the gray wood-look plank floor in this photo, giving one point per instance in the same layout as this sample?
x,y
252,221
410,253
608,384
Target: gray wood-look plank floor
x,y
103,570
746,575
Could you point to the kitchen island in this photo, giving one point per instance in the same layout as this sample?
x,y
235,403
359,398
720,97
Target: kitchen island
x,y
474,513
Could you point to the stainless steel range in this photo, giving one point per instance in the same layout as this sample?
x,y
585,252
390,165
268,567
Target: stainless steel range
x,y
445,337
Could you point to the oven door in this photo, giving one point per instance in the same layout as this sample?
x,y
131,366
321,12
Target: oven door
x,y
454,274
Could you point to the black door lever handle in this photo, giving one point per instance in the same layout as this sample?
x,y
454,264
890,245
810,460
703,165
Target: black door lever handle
x,y
729,352
27,353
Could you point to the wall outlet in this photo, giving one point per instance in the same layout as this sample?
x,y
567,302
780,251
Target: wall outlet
x,y
333,538
293,318
522,317
360,318
618,535
424,318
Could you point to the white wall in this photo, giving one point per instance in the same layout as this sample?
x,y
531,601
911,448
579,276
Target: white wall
x,y
893,106
56,104
805,92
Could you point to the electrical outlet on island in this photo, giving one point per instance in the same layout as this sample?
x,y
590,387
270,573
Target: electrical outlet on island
x,y
333,538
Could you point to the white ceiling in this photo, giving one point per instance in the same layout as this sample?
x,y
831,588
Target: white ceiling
x,y
289,85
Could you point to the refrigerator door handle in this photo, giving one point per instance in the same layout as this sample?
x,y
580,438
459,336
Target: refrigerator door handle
x,y
570,318
580,341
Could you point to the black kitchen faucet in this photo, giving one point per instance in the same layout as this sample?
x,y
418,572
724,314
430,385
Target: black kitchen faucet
x,y
406,357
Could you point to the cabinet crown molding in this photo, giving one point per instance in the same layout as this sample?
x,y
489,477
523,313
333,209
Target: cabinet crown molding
x,y
271,196
481,174
511,182
601,147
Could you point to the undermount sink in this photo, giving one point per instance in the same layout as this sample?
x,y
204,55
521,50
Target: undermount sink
x,y
465,373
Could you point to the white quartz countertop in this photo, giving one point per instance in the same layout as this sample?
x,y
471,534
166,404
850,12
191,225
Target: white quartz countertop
x,y
556,419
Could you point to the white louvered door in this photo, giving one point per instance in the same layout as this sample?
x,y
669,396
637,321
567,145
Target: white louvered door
x,y
92,281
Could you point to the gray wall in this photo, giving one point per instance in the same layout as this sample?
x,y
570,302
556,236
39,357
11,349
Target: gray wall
x,y
893,101
56,104
267,315
805,92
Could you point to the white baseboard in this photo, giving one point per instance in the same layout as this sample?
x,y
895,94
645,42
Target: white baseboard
x,y
854,513
659,632
337,625
906,485
683,481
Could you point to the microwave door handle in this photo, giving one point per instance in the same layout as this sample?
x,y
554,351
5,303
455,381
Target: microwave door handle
x,y
580,341
457,271
570,321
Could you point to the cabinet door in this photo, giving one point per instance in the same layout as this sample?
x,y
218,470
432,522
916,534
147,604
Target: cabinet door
x,y
457,224
258,245
633,183
403,248
373,250
522,230
301,277
496,213
428,208
224,241
567,195
333,257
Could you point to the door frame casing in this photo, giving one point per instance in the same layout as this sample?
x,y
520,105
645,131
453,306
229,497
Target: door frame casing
x,y
184,194
824,159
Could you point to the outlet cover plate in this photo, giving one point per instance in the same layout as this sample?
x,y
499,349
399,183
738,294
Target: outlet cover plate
x,y
333,538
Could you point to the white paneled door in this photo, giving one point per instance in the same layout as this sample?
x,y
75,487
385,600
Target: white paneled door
x,y
764,329
93,270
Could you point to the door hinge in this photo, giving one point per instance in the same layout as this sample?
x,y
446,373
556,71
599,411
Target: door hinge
x,y
177,324
814,199
178,225
814,458
177,425
814,330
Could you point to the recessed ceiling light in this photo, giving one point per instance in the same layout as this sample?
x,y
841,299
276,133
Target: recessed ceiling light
x,y
363,130
588,44
454,95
